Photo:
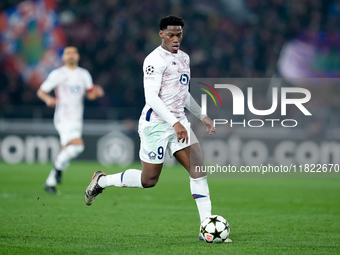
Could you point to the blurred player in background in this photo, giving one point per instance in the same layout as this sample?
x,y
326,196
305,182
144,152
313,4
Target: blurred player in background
x,y
163,126
70,83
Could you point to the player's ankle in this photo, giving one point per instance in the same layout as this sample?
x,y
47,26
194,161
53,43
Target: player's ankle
x,y
102,183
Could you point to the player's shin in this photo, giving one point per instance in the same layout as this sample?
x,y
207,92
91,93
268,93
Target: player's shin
x,y
200,192
61,163
130,178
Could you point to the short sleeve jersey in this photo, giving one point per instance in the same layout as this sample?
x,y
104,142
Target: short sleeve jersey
x,y
170,72
70,86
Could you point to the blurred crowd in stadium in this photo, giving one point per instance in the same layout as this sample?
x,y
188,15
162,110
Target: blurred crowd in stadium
x,y
223,38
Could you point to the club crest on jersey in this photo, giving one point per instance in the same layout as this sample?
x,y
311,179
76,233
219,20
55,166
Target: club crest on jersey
x,y
149,69
152,155
75,89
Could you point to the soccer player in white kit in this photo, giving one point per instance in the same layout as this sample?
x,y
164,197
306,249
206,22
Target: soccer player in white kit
x,y
71,83
163,126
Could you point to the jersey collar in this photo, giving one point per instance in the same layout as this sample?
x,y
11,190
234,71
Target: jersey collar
x,y
166,51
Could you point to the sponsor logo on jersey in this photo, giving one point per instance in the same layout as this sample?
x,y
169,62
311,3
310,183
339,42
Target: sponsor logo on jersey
x,y
184,79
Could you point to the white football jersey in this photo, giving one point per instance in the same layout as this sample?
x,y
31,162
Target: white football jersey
x,y
70,86
170,72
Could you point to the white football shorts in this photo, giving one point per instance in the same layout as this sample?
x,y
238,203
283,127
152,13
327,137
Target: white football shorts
x,y
157,138
68,133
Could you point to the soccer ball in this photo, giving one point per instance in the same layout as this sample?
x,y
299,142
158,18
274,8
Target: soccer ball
x,y
215,229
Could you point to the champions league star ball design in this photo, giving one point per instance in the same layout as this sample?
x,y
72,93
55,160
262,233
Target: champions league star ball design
x,y
149,69
215,229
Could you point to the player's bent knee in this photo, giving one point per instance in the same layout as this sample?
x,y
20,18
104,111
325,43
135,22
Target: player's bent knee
x,y
197,174
149,183
75,150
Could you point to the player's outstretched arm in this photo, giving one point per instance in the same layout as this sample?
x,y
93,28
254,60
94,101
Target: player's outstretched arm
x,y
49,100
210,125
195,109
95,92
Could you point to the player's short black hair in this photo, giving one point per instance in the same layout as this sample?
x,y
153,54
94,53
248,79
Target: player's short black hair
x,y
170,20
70,45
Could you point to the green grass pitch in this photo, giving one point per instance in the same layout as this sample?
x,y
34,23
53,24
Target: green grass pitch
x,y
267,216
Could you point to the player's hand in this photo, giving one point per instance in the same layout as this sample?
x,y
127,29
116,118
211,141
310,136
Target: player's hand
x,y
181,132
210,125
95,92
99,91
51,101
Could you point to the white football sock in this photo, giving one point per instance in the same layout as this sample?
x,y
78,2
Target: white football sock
x,y
65,156
131,178
62,161
51,180
200,192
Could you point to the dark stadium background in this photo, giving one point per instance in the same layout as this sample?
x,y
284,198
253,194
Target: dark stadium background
x,y
223,38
